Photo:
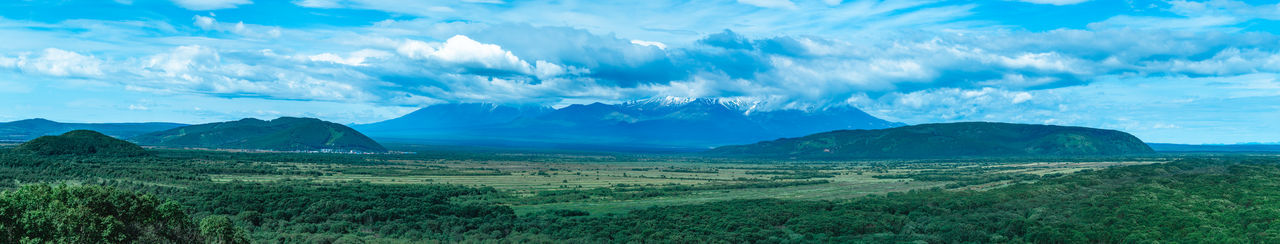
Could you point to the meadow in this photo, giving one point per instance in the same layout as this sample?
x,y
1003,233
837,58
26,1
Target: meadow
x,y
457,195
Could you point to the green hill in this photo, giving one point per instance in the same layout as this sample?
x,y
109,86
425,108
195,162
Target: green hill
x,y
81,142
28,129
969,139
282,134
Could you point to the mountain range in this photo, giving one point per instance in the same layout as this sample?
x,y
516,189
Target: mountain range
x,y
661,123
968,139
28,129
282,134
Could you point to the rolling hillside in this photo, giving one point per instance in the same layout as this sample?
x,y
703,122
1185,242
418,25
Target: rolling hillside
x,y
28,129
81,142
282,134
970,139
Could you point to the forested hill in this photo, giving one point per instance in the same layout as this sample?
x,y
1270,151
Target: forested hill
x,y
282,134
968,139
81,142
28,129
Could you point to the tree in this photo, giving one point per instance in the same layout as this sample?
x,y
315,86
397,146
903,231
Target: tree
x,y
90,214
219,229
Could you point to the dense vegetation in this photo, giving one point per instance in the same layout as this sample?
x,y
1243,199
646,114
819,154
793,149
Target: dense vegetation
x,y
1219,200
282,134
1186,201
95,214
974,139
81,142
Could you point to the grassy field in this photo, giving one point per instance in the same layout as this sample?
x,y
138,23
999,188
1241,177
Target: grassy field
x,y
540,174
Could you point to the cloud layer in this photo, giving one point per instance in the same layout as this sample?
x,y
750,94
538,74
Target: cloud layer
x,y
910,61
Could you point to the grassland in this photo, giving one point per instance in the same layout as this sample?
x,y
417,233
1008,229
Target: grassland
x,y
530,176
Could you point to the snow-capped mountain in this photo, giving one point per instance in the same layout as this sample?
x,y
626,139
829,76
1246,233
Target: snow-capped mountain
x,y
660,122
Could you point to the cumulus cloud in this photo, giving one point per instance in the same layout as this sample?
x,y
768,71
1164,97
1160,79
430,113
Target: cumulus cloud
x,y
56,62
461,49
658,45
909,61
209,23
200,5
356,58
476,57
206,70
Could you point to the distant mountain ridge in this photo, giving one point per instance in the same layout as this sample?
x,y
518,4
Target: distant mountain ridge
x,y
674,122
967,139
455,116
282,134
28,129
1249,147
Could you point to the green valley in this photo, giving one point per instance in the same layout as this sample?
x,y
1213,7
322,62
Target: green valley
x,y
547,196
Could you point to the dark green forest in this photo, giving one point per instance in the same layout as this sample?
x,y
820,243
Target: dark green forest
x,y
167,196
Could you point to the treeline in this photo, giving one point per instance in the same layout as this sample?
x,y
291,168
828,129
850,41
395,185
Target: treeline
x,y
963,178
1184,201
96,214
630,192
305,211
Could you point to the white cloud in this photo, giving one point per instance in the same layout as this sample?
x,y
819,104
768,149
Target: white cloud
x,y
7,62
199,69
1230,61
318,3
356,58
1021,97
205,23
659,45
1055,2
461,49
787,4
58,62
200,5
209,23
416,49
182,60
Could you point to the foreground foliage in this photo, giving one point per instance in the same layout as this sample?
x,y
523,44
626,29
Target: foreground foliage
x,y
1185,201
90,214
1192,200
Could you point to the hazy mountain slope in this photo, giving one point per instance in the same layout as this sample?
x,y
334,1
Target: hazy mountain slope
x,y
31,128
451,117
81,142
948,140
663,122
285,134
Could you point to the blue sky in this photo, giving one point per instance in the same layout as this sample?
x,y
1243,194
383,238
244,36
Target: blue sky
x,y
1167,71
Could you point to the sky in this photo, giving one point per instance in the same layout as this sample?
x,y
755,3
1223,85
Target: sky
x,y
1198,72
